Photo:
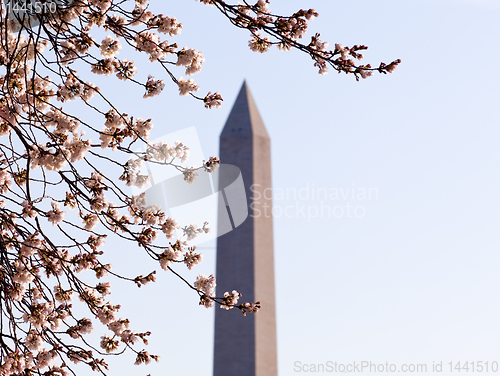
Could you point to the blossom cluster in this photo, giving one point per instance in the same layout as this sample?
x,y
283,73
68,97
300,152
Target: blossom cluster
x,y
206,285
230,300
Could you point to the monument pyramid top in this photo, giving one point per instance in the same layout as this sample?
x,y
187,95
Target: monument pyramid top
x,y
244,117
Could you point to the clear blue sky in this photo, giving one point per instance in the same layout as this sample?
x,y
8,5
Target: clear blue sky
x,y
416,279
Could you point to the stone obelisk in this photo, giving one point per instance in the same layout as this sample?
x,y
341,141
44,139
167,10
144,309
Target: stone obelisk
x,y
246,346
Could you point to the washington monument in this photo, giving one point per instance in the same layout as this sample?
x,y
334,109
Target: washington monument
x,y
246,346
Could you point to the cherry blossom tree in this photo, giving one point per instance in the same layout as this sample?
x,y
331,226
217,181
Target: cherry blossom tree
x,y
56,205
